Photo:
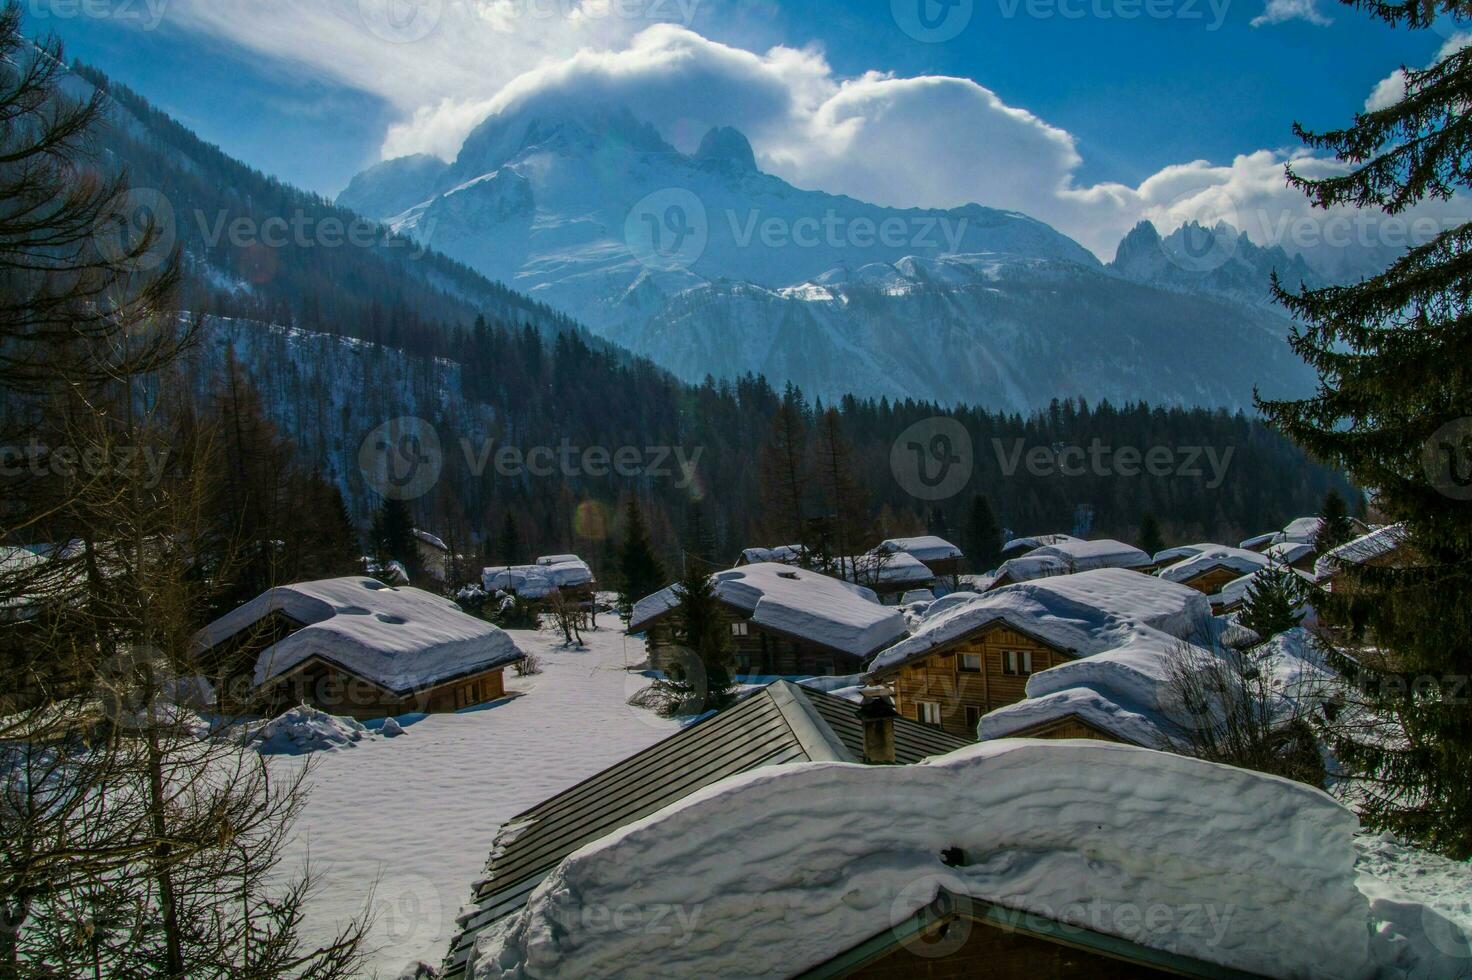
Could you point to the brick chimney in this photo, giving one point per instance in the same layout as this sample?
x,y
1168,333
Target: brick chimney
x,y
878,714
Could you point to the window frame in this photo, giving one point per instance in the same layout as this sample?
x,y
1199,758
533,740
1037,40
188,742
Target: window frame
x,y
961,659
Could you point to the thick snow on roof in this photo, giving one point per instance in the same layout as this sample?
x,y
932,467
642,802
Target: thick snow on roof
x,y
926,547
1141,727
1182,551
1074,555
399,638
1374,545
431,540
1288,552
892,568
1302,530
1050,827
796,601
1085,613
1263,540
1027,544
1239,560
787,554
558,559
537,581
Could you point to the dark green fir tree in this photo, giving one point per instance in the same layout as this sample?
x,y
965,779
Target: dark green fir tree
x,y
1392,409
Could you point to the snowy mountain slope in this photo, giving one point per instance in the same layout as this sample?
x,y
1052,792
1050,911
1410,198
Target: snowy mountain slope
x,y
1220,261
709,266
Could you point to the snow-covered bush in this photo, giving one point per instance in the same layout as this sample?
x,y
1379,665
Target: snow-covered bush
x,y
306,729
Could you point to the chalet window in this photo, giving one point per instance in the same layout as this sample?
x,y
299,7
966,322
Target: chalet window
x,y
740,629
973,717
1017,662
970,663
929,712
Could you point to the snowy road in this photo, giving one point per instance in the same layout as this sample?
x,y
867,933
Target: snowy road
x,y
417,814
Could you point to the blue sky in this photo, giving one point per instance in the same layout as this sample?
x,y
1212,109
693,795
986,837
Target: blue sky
x,y
301,89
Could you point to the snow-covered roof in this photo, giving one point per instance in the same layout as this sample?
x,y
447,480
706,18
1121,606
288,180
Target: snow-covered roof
x,y
1182,551
540,580
402,639
1288,552
1144,728
1073,555
1363,549
1239,560
1083,614
558,559
795,601
1024,545
787,554
1302,530
1260,541
889,568
430,539
926,548
1051,826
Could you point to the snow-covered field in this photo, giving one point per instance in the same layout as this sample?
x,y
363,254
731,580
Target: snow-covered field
x,y
417,813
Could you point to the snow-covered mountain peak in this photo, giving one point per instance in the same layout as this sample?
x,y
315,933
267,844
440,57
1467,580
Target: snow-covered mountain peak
x,y
726,150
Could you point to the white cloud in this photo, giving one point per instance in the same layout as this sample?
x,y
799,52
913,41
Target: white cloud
x,y
1281,11
1392,88
927,141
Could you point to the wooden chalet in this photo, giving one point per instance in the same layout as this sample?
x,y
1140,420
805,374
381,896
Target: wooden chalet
x,y
936,553
1208,571
1066,557
784,621
434,555
356,647
979,655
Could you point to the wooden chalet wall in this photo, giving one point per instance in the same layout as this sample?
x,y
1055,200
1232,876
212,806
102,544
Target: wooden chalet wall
x,y
325,686
1210,583
758,651
965,696
989,951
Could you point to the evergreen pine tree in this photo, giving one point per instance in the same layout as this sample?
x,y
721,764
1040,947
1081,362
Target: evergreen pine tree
x,y
1391,409
639,571
508,545
393,537
1269,608
701,679
1334,525
985,545
1150,541
783,464
700,534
